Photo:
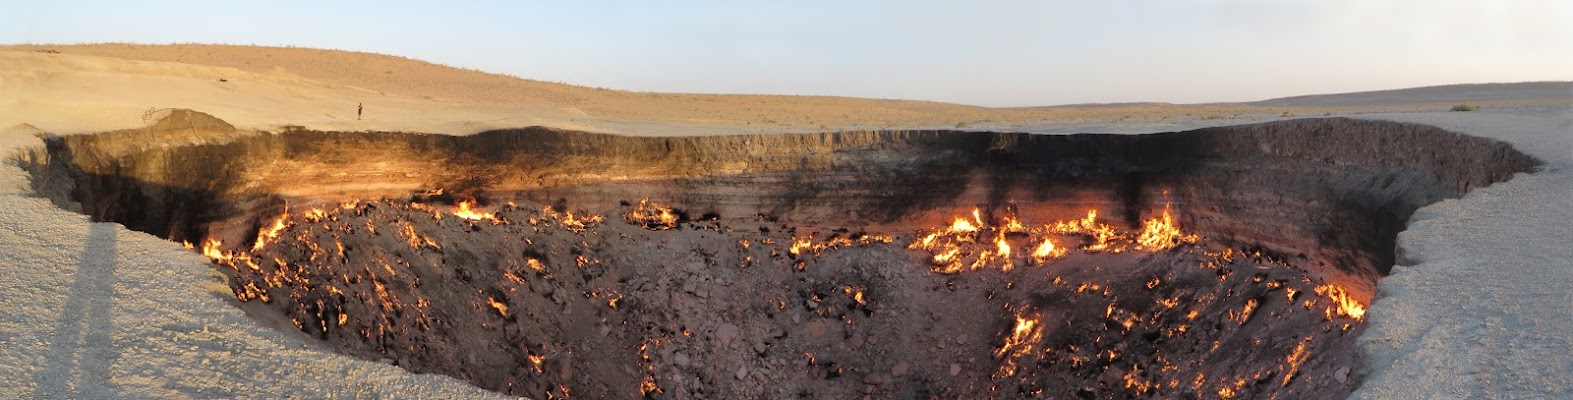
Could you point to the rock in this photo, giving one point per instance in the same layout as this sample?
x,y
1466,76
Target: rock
x,y
742,372
726,332
1342,375
900,368
817,329
955,369
876,379
681,360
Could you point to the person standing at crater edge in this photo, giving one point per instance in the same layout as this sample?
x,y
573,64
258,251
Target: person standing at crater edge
x,y
358,108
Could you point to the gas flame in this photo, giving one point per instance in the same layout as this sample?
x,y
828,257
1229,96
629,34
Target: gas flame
x,y
1295,359
1104,237
804,246
315,215
466,209
1046,251
501,307
1162,233
270,234
1343,303
647,386
573,223
1021,341
652,216
210,248
856,293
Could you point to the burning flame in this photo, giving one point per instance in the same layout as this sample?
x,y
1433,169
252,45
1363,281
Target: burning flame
x,y
210,248
269,234
1343,303
1162,233
502,308
652,216
466,209
647,386
1046,251
856,293
969,243
1104,237
315,215
1021,341
1295,359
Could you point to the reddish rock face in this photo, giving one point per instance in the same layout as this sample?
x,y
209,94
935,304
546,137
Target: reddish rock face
x,y
895,264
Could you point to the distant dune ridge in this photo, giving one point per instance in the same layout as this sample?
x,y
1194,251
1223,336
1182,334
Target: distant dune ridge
x,y
259,87
1473,92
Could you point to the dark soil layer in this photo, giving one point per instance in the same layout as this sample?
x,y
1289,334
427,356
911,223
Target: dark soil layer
x,y
538,303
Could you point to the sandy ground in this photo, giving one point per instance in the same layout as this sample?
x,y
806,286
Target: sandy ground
x,y
1478,307
1478,310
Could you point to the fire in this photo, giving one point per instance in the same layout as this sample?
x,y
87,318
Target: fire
x,y
652,216
799,245
1245,312
536,360
802,247
1162,233
1027,333
210,248
970,243
647,386
466,209
270,234
1104,237
1134,383
1343,303
947,245
1046,251
1295,359
856,293
571,222
535,264
315,215
502,308
1002,251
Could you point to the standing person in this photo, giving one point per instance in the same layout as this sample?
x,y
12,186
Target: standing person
x,y
358,108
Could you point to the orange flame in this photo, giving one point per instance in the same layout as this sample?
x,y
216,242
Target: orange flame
x,y
652,216
315,215
648,386
1343,303
1046,251
1104,237
1021,341
466,209
270,234
1162,233
502,308
856,293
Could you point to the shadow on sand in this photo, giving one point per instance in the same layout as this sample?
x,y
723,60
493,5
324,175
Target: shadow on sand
x,y
80,351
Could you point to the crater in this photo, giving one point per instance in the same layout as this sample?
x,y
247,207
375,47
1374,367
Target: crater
x,y
1230,262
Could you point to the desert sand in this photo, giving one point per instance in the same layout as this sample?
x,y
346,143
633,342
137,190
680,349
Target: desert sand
x,y
94,310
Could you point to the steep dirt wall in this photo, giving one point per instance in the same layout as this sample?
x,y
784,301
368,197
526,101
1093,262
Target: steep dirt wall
x,y
1345,185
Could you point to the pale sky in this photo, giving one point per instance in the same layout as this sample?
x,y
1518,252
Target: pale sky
x,y
995,53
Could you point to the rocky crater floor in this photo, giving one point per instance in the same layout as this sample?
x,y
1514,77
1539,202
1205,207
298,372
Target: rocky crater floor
x,y
1230,262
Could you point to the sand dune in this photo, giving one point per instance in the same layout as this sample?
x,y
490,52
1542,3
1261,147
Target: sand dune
x,y
107,86
1465,93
